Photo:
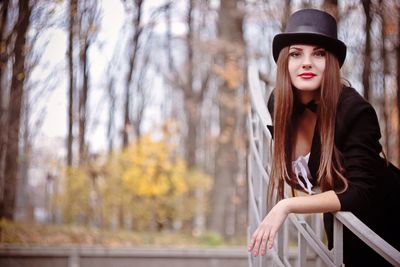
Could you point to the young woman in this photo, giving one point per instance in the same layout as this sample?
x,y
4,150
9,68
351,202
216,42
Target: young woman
x,y
326,142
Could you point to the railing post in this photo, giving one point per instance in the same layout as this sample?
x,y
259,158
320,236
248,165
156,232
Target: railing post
x,y
263,260
301,247
73,259
316,221
281,241
337,242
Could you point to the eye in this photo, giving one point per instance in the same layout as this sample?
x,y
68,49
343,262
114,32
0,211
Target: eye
x,y
320,53
294,54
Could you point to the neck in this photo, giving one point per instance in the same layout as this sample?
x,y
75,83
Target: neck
x,y
306,96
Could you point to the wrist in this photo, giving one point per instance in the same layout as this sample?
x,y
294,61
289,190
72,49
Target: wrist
x,y
285,204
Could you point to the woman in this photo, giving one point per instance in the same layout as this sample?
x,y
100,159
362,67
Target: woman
x,y
326,142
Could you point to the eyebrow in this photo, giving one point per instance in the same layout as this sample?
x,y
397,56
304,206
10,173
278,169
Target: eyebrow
x,y
300,49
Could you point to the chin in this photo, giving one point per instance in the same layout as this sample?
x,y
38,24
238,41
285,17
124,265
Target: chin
x,y
307,88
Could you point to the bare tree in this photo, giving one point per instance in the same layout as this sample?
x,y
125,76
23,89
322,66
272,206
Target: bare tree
x,y
31,113
71,82
193,97
4,57
111,113
398,87
22,189
15,105
4,6
385,72
141,91
111,92
168,43
193,83
88,23
367,48
331,6
286,13
137,19
39,20
230,32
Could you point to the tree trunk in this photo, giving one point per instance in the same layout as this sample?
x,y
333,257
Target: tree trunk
x,y
16,94
87,11
385,70
22,198
230,32
193,96
3,46
190,105
83,102
169,36
3,118
71,89
398,90
141,93
367,50
132,62
110,124
286,14
193,118
193,100
331,6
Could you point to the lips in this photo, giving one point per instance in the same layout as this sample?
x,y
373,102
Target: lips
x,y
307,75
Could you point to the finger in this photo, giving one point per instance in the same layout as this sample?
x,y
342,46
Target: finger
x,y
257,244
252,240
271,239
264,244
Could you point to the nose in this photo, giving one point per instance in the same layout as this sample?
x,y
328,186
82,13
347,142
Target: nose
x,y
307,62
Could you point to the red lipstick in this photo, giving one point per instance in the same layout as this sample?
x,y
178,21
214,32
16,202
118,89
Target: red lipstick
x,y
307,75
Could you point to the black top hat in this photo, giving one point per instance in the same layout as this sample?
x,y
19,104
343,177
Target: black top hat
x,y
310,26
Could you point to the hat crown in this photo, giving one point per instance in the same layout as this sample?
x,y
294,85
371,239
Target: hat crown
x,y
310,26
312,21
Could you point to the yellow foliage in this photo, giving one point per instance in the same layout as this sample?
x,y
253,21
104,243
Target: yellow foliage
x,y
75,197
146,184
150,171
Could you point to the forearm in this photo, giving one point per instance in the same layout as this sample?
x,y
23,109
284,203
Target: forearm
x,y
323,202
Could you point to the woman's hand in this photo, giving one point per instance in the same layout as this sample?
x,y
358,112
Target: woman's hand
x,y
266,231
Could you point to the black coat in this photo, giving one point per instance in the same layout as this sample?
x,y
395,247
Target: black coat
x,y
374,185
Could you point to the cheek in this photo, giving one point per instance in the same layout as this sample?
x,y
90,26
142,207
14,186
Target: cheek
x,y
321,66
292,67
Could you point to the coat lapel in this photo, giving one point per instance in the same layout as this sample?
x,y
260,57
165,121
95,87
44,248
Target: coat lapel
x,y
313,162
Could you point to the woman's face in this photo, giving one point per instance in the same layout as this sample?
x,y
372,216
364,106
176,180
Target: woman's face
x,y
306,66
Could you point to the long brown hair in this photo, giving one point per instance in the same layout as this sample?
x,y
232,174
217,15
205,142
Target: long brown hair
x,y
330,172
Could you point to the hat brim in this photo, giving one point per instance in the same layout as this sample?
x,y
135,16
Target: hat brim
x,y
335,46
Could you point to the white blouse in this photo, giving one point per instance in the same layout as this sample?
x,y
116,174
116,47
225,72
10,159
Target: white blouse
x,y
300,168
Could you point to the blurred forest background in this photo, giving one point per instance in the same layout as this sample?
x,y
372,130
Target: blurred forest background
x,y
131,114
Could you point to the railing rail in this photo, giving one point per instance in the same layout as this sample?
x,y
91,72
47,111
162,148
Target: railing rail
x,y
308,235
17,255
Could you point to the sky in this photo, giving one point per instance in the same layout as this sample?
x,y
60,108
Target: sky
x,y
113,19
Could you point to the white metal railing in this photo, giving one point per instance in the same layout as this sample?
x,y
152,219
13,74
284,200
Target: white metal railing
x,y
308,234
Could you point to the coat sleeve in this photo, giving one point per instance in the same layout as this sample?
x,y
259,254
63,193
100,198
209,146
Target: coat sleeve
x,y
360,149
